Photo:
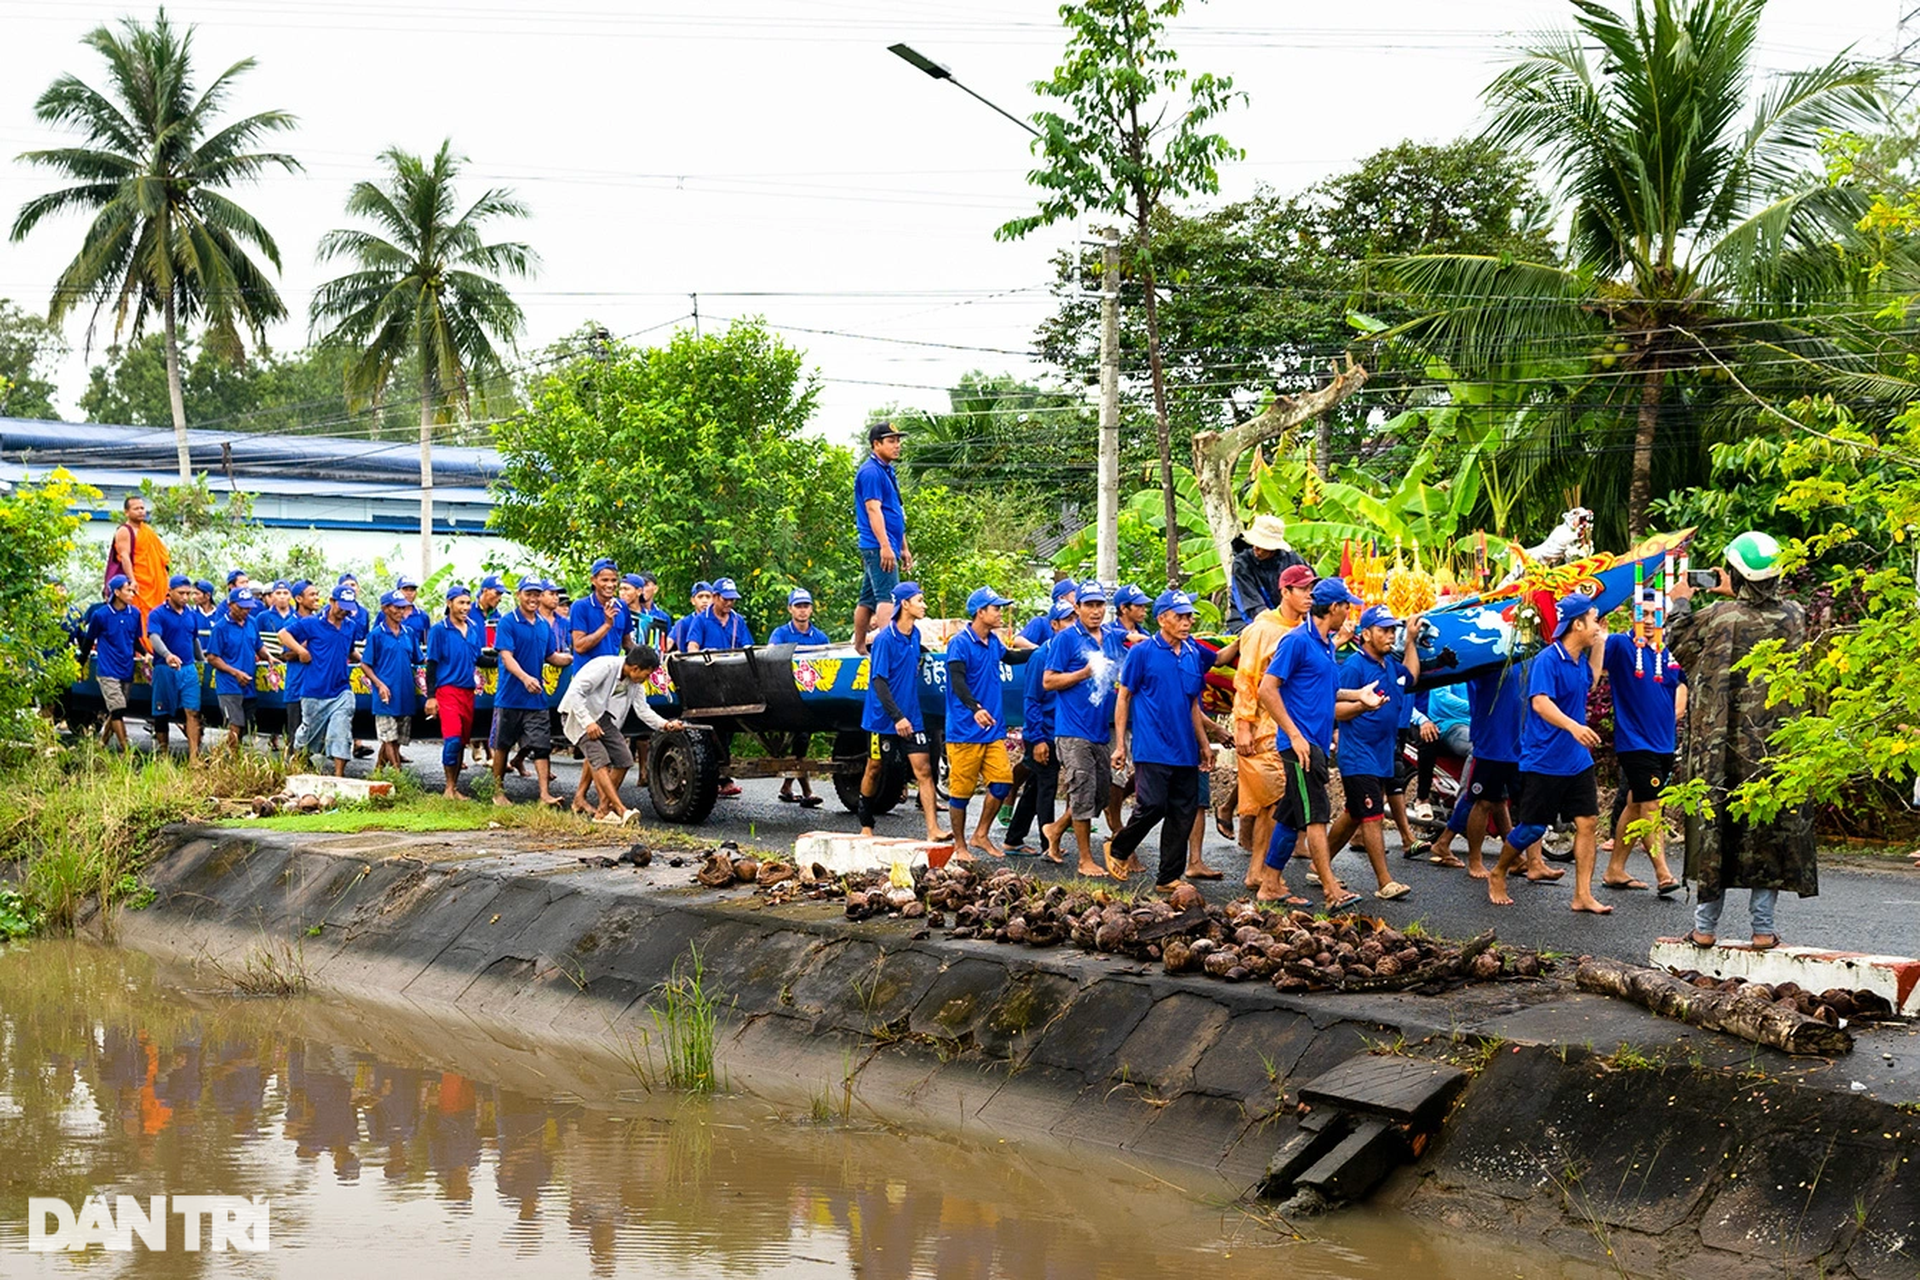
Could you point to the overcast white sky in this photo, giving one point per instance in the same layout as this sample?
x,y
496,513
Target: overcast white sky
x,y
771,155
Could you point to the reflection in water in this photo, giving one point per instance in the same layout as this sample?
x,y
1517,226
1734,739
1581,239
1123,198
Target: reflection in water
x,y
395,1146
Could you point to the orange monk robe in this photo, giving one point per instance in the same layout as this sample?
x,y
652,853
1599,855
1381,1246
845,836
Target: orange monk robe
x,y
1262,774
150,563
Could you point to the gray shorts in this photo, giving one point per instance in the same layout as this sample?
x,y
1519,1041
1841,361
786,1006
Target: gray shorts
x,y
393,729
1086,774
114,694
609,750
233,709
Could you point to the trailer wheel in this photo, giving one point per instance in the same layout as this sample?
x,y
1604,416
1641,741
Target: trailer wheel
x,y
683,774
846,785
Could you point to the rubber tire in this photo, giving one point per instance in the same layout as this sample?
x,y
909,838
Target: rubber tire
x,y
893,780
683,775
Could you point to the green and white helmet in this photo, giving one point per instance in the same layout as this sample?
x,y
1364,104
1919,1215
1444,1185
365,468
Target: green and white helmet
x,y
1755,556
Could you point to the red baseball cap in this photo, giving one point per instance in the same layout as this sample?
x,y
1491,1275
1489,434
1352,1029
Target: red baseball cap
x,y
1297,575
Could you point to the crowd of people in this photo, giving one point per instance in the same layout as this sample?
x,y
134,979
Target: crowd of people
x,y
1111,706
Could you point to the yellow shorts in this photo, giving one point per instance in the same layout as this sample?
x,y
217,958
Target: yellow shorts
x,y
971,763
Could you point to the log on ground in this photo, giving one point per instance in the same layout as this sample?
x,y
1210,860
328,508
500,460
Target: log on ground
x,y
1750,1017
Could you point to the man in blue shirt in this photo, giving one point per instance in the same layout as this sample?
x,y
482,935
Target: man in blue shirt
x,y
387,660
325,643
1040,627
880,523
1369,741
414,618
1129,614
976,733
599,622
453,656
173,633
1083,663
207,607
892,710
799,632
1556,756
113,633
1042,785
701,599
234,653
1497,708
721,626
526,646
650,622
1301,691
486,604
1157,713
1649,700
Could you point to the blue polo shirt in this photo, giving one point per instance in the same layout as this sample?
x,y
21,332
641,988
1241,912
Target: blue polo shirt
x,y
530,641
1309,684
678,634
1039,629
271,620
391,657
296,677
453,655
177,629
1162,684
811,638
202,623
1643,704
417,622
1567,680
709,632
1085,710
894,658
588,615
1367,741
113,631
1036,706
981,662
1496,712
237,644
875,479
331,648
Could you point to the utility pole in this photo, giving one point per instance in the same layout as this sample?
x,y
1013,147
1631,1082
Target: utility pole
x,y
696,315
1107,514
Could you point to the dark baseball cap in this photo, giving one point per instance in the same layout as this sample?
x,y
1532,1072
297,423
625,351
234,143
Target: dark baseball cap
x,y
883,431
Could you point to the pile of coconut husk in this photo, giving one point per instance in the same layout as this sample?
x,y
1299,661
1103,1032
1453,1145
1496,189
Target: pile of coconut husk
x,y
1237,942
269,806
780,881
1835,1006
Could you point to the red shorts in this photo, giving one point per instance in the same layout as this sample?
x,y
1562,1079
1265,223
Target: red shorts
x,y
456,712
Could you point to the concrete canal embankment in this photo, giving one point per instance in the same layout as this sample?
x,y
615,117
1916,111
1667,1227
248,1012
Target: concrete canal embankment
x,y
1590,1126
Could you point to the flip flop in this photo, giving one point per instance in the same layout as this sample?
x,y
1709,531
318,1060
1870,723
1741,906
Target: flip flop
x,y
1208,874
1291,900
1668,888
1623,885
1347,903
1225,830
1020,851
1392,890
1757,945
788,799
811,802
1702,940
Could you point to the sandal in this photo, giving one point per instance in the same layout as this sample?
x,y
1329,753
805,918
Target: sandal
x,y
811,802
1347,903
1772,941
1702,940
1392,890
787,797
1290,900
1623,884
1667,888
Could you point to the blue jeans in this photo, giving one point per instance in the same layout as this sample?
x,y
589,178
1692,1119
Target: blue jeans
x,y
329,721
876,583
176,690
1706,915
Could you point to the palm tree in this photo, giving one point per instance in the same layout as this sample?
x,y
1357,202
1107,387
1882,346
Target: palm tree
x,y
151,170
1696,226
424,287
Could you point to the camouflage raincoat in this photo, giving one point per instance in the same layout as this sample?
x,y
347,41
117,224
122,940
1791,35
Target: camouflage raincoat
x,y
1728,723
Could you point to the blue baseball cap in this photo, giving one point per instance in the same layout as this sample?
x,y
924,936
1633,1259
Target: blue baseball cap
x,y
1170,602
204,587
724,588
906,591
1062,611
634,580
1090,591
403,582
1569,609
457,589
1330,591
347,577
392,599
235,573
1378,615
179,580
1065,587
603,562
982,598
116,582
345,594
548,584
240,595
527,584
493,582
799,595
1130,594
299,587
702,588
280,584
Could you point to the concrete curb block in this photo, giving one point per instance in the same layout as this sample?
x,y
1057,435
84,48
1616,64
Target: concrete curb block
x,y
1895,978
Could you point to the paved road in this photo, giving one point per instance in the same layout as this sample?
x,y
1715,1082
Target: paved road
x,y
1862,908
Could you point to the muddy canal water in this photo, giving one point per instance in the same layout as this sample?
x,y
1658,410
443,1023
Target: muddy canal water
x,y
388,1145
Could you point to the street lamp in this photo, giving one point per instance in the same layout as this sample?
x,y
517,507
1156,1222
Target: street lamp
x,y
921,61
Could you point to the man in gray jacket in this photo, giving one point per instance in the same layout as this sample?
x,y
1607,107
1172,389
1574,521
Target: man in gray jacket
x,y
593,715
